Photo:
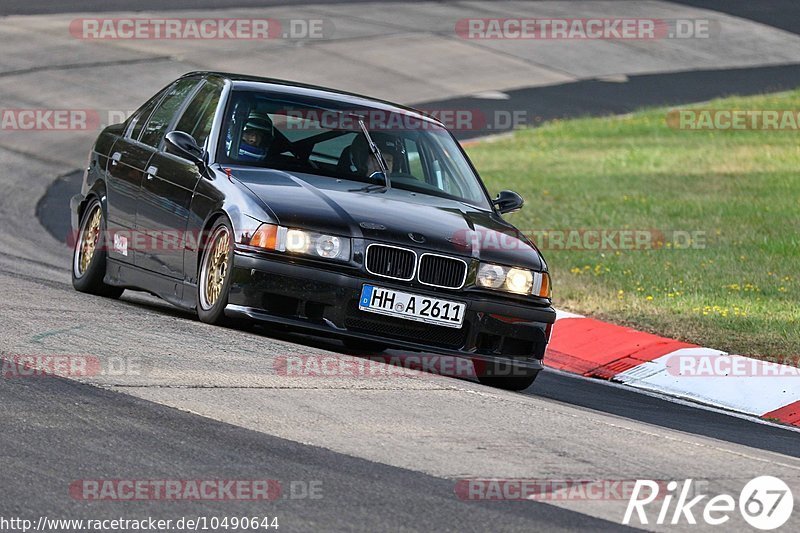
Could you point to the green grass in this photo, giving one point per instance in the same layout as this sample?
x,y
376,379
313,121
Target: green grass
x,y
740,292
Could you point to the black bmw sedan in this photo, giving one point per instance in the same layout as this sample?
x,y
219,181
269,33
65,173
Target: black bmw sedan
x,y
251,199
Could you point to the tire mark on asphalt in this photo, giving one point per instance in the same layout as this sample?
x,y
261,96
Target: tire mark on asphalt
x,y
93,64
33,261
37,339
33,279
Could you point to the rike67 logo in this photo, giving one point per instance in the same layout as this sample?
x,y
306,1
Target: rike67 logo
x,y
765,503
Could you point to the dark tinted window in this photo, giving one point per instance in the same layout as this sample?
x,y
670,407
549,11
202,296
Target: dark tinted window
x,y
159,121
140,116
327,138
199,115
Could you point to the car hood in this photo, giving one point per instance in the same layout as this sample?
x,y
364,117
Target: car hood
x,y
396,216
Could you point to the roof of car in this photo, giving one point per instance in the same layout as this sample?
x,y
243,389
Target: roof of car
x,y
315,91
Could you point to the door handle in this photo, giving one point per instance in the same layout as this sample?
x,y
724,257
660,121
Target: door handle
x,y
151,172
115,157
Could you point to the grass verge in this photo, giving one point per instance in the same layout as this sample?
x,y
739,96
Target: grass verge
x,y
734,286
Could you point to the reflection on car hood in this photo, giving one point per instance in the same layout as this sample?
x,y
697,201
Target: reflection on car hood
x,y
397,216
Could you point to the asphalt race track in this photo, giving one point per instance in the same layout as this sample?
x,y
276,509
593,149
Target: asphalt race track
x,y
101,431
385,452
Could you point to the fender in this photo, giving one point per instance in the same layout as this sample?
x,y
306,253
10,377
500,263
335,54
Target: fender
x,y
224,197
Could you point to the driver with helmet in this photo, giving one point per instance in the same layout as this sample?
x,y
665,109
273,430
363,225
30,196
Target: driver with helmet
x,y
256,137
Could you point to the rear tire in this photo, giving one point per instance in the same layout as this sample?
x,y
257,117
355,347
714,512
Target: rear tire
x,y
90,253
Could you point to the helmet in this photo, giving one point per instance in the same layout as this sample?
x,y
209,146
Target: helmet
x,y
259,123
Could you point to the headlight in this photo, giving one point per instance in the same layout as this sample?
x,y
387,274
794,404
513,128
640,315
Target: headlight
x,y
296,241
281,239
514,280
328,246
519,281
491,276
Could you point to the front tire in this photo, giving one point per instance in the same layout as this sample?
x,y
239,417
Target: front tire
x,y
214,276
515,383
90,253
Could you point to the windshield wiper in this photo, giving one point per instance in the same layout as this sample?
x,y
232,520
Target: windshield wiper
x,y
370,188
376,153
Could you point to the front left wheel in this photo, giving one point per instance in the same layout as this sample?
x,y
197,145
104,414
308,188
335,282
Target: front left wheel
x,y
89,255
214,277
513,383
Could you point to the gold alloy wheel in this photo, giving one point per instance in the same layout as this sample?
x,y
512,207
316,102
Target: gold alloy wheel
x,y
89,238
215,267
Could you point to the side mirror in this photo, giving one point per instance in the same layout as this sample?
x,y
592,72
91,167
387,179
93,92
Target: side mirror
x,y
183,145
508,201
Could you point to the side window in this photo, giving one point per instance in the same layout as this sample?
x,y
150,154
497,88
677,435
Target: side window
x,y
441,173
140,116
159,121
199,115
414,160
444,177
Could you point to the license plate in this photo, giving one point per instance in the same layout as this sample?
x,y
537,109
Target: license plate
x,y
412,306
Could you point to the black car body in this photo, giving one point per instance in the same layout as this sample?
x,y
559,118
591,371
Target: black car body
x,y
174,203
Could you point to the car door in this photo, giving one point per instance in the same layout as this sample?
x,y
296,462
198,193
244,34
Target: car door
x,y
127,161
170,181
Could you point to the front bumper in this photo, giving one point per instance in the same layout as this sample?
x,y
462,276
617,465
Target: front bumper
x,y
499,333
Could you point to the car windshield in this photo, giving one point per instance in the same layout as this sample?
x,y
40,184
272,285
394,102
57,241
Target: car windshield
x,y
319,137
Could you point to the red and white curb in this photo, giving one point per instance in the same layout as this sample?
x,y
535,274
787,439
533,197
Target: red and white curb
x,y
644,361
